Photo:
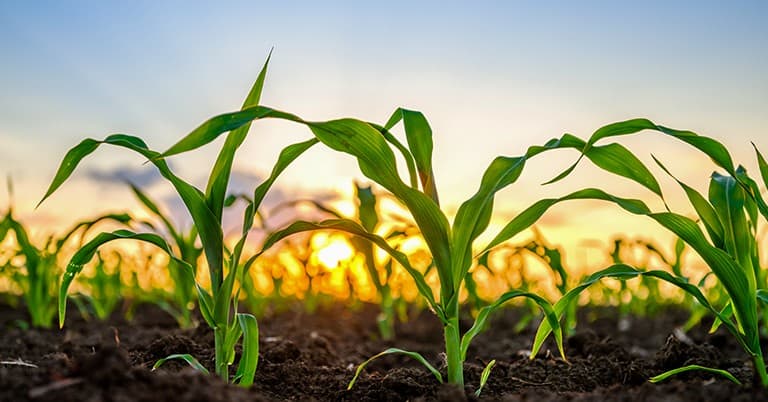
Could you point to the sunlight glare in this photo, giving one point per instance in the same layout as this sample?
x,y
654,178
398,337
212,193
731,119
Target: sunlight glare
x,y
336,250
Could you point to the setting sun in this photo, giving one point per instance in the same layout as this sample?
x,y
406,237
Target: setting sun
x,y
332,250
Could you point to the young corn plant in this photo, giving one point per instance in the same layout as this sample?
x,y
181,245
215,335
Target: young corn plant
x,y
451,246
729,214
218,305
38,277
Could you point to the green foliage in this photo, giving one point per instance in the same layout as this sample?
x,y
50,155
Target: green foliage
x,y
219,305
729,214
450,245
38,277
694,367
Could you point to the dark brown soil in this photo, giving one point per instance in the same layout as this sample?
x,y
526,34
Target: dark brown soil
x,y
313,357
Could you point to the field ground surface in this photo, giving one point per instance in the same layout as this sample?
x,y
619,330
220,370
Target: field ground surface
x,y
308,357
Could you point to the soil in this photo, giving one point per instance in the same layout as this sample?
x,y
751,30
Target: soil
x,y
306,357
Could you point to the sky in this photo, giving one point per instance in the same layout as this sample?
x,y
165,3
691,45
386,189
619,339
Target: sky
x,y
492,78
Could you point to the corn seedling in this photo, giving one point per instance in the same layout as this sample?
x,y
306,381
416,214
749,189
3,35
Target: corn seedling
x,y
729,214
450,245
38,277
218,305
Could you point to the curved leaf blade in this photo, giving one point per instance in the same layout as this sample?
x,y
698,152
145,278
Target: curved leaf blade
x,y
693,367
189,359
353,228
246,368
88,251
390,351
484,377
482,317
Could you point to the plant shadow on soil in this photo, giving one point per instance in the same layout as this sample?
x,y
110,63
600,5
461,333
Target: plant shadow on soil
x,y
313,356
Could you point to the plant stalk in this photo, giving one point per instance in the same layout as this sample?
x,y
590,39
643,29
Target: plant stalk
x,y
386,319
220,357
453,345
760,370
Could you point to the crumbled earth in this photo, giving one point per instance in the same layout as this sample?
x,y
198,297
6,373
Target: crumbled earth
x,y
306,357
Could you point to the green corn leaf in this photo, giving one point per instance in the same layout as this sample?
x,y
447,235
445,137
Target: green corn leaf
x,y
69,163
419,136
376,161
185,357
728,271
482,318
705,211
726,312
353,228
205,300
286,157
614,158
214,127
474,215
87,252
219,178
232,335
751,187
222,297
728,199
375,158
86,225
623,272
762,295
532,214
207,225
693,367
484,377
249,360
366,210
762,164
218,125
750,203
390,351
407,156
679,248
712,148
31,253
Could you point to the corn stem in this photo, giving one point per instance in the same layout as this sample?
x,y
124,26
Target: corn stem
x,y
453,344
222,365
760,370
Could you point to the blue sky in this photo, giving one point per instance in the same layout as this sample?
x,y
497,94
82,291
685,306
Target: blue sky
x,y
492,78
